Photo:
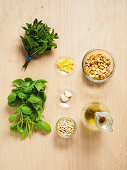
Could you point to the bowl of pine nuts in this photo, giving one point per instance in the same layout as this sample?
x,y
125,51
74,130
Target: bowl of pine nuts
x,y
98,65
65,127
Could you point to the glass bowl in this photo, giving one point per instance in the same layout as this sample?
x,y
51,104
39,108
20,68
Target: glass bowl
x,y
66,136
109,56
70,102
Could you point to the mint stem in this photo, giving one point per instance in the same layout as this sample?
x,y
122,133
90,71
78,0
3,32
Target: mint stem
x,y
26,63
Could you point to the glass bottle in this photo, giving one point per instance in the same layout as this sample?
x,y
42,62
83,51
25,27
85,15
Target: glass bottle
x,y
96,116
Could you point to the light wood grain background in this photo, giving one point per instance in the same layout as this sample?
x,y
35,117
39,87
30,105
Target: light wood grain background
x,y
82,25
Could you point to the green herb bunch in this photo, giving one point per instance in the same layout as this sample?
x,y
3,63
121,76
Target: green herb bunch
x,y
30,97
37,39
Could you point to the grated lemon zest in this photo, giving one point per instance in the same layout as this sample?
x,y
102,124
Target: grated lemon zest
x,y
65,64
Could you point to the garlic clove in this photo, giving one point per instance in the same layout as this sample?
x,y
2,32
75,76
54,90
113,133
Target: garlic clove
x,y
67,94
64,98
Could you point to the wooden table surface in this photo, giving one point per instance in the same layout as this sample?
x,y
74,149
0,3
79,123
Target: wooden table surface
x,y
82,25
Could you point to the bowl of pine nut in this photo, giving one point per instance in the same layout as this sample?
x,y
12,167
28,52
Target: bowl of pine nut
x,y
98,65
65,127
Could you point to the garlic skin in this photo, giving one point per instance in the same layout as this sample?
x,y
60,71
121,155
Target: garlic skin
x,y
67,94
63,98
65,105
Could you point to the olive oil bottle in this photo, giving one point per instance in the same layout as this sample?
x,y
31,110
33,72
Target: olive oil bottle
x,y
96,116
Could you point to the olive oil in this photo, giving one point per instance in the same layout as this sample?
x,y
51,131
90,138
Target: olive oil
x,y
96,116
91,110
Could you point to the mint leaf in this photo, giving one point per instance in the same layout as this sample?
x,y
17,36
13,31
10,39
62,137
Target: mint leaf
x,y
42,49
26,44
38,38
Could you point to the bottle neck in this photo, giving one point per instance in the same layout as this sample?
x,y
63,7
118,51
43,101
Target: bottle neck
x,y
104,121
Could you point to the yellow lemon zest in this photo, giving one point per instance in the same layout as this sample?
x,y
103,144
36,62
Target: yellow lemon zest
x,y
65,64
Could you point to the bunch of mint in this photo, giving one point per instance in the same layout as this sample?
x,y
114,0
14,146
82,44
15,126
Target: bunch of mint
x,y
38,39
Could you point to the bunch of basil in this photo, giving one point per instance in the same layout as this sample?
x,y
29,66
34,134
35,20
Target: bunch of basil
x,y
30,97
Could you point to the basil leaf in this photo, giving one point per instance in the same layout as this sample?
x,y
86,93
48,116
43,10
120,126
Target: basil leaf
x,y
13,128
11,97
28,89
26,110
25,84
43,96
17,82
27,117
30,96
45,126
20,129
21,95
15,90
39,110
37,126
36,106
25,133
42,81
41,125
39,86
28,79
42,116
18,110
12,100
12,118
14,103
34,99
